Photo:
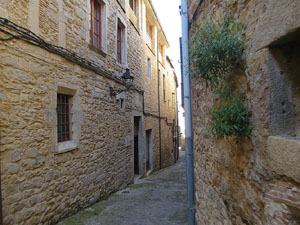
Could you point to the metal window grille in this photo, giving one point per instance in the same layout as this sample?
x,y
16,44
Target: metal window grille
x,y
63,117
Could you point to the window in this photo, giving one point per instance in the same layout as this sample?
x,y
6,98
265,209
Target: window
x,y
119,43
120,48
160,52
68,118
133,13
122,103
148,33
173,100
149,68
96,24
158,77
63,117
133,6
164,87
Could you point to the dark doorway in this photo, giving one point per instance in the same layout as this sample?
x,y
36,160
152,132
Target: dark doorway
x,y
148,150
136,143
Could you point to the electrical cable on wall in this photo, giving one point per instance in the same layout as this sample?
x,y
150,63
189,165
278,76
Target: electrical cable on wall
x,y
31,38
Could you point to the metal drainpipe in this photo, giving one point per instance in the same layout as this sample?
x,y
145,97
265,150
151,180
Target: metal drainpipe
x,y
1,212
1,215
188,112
158,93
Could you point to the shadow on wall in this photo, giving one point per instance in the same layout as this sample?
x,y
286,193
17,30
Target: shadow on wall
x,y
284,69
283,154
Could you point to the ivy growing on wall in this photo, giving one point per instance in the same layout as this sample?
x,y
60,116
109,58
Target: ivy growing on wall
x,y
215,50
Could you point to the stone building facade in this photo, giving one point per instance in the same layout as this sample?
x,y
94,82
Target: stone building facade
x,y
257,182
72,129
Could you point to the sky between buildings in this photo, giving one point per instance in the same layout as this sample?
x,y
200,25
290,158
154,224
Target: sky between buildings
x,y
169,16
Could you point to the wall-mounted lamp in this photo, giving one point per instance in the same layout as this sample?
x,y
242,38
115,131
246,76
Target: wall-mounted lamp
x,y
128,80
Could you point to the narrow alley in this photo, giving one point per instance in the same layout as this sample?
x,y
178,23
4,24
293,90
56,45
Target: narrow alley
x,y
157,199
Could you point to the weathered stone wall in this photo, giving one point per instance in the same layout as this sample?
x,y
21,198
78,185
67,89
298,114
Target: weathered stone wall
x,y
256,182
169,113
40,185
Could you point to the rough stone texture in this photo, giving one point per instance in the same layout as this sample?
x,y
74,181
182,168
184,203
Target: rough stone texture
x,y
283,156
39,185
235,183
161,195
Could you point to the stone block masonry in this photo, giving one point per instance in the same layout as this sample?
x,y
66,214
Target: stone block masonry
x,y
43,180
256,182
38,184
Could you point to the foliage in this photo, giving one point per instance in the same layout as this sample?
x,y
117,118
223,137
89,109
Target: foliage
x,y
231,119
215,49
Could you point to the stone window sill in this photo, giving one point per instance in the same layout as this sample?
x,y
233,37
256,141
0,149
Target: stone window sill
x,y
66,146
97,50
283,156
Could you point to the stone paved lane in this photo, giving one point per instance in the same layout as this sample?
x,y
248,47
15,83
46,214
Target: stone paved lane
x,y
159,199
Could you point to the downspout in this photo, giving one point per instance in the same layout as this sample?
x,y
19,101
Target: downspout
x,y
1,212
158,96
188,112
177,129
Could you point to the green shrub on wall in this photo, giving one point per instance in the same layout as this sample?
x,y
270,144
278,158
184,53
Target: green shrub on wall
x,y
231,119
215,50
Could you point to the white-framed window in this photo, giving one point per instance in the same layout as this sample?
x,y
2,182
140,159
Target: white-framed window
x,y
149,68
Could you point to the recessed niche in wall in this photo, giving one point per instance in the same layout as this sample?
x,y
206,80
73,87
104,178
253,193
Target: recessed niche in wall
x,y
284,71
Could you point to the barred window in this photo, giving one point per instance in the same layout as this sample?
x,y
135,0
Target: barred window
x,y
63,117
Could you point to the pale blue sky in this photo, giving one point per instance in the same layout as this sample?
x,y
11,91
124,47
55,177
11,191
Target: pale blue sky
x,y
168,13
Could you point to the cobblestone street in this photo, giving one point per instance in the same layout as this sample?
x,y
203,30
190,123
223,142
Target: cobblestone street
x,y
159,199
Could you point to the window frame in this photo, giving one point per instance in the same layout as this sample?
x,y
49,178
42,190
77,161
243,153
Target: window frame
x,y
121,48
164,88
64,117
150,33
75,120
93,3
119,43
134,7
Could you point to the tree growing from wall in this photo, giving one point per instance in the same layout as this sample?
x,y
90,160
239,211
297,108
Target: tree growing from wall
x,y
215,50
